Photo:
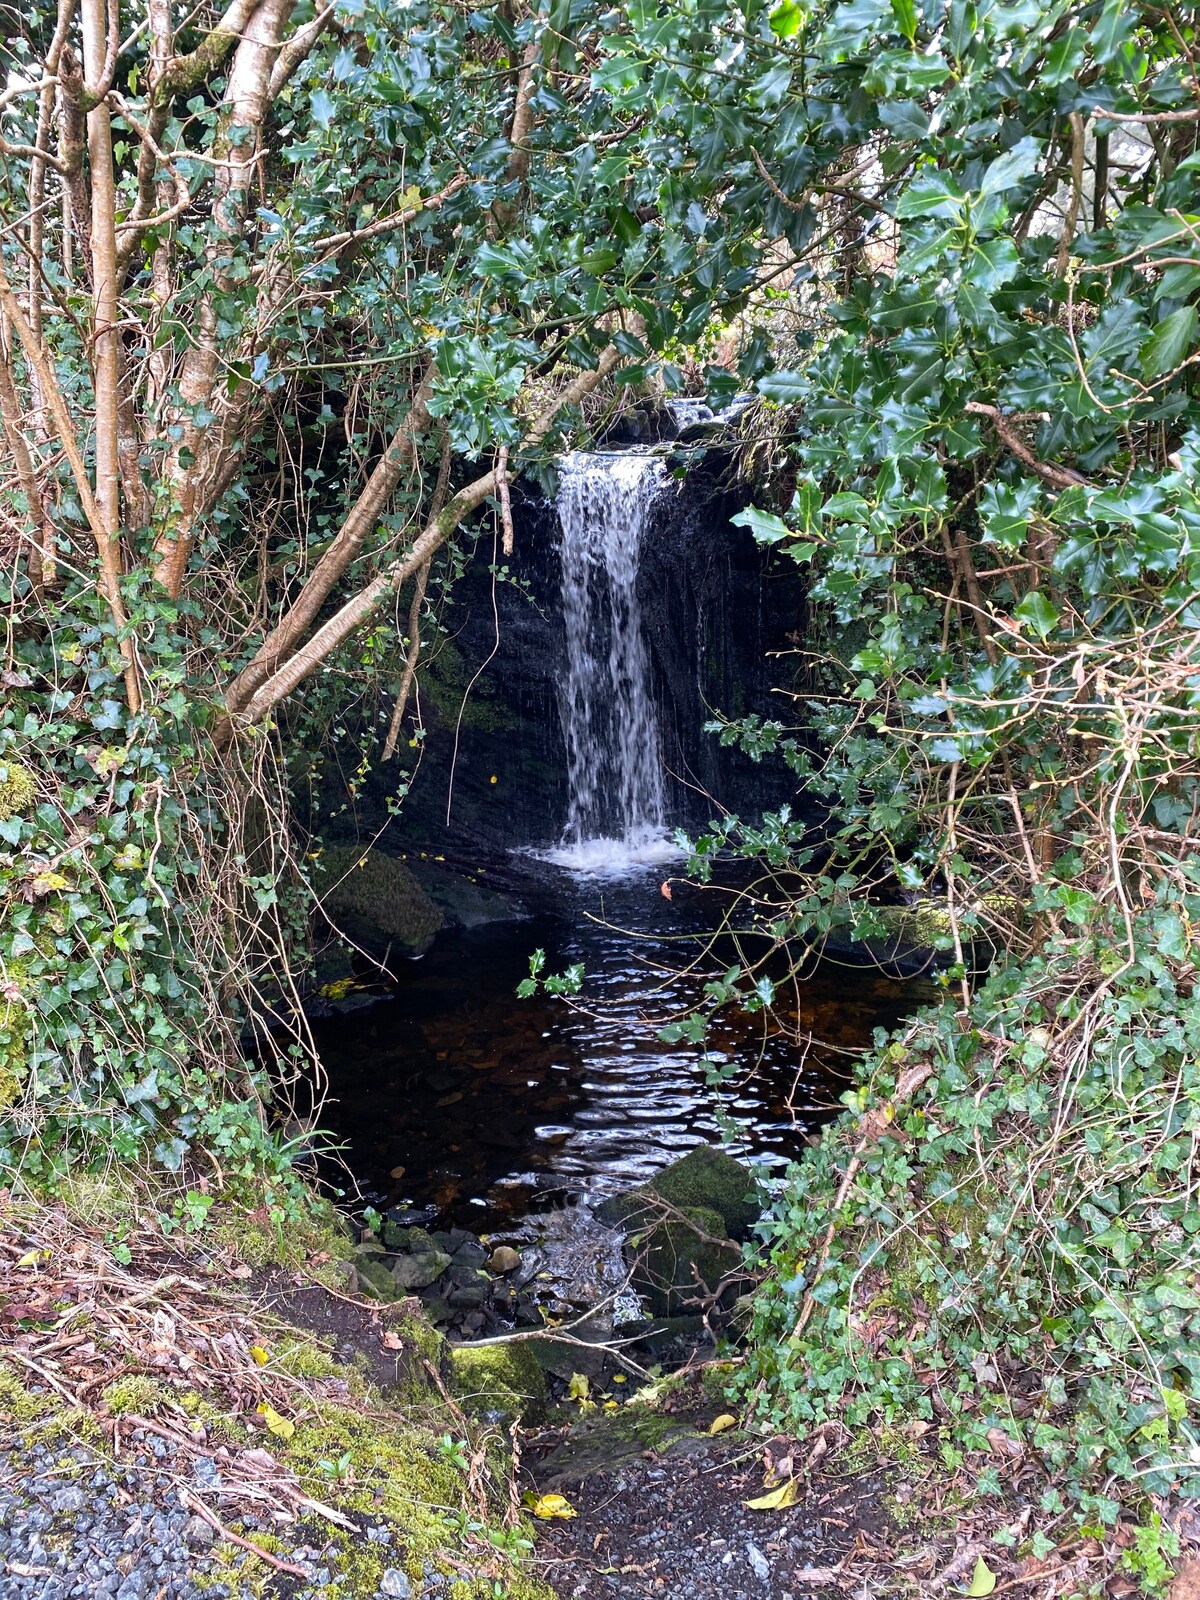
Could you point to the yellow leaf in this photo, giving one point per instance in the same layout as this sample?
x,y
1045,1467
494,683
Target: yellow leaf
x,y
719,1424
47,882
619,1377
547,1507
260,1355
611,1405
779,1499
32,1257
983,1580
275,1423
579,1387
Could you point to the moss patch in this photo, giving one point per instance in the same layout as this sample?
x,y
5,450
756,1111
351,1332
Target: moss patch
x,y
133,1394
18,790
374,899
705,1177
500,1381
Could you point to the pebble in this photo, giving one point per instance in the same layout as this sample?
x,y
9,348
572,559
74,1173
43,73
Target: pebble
x,y
395,1585
759,1564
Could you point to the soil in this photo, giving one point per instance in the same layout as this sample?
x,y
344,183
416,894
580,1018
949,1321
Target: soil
x,y
672,1520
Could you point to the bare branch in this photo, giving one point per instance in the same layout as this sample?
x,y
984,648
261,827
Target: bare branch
x,y
363,605
1060,477
108,584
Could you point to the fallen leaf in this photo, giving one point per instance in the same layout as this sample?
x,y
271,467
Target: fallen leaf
x,y
548,1507
259,1355
665,890
719,1424
778,1499
275,1423
32,1257
392,1340
579,1387
983,1581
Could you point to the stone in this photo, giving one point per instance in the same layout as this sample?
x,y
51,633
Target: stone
x,y
198,1533
499,1382
375,901
759,1564
680,1257
705,1177
418,1272
526,1313
374,1279
471,1253
469,1296
740,1316
504,1259
395,1585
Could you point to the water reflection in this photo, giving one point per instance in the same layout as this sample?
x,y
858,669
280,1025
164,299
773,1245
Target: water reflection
x,y
453,1093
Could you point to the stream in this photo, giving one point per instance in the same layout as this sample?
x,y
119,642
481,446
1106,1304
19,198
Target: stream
x,y
458,1101
453,1094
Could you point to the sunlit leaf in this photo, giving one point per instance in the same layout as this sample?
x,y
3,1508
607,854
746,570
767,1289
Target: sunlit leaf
x,y
779,1499
983,1581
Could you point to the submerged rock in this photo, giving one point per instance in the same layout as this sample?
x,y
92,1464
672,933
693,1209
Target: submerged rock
x,y
705,1177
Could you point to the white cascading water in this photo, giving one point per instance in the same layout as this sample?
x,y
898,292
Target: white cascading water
x,y
616,814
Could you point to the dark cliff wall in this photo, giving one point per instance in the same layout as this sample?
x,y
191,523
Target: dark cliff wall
x,y
714,608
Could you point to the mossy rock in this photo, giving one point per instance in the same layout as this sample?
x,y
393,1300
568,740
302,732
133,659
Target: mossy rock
x,y
680,1257
705,1177
501,1382
375,901
18,790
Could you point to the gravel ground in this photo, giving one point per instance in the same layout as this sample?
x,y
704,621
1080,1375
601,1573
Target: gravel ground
x,y
677,1527
74,1524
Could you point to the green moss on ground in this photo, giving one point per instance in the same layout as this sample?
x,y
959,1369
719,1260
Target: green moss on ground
x,y
19,1404
18,790
134,1394
501,1381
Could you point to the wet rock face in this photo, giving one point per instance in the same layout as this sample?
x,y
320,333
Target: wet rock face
x,y
714,606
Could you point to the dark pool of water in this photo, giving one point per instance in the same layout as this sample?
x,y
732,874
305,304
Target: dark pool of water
x,y
452,1092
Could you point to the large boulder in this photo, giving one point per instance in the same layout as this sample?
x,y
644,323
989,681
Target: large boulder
x,y
705,1177
681,1258
373,900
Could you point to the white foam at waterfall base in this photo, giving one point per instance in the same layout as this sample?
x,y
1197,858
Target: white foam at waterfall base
x,y
613,858
616,810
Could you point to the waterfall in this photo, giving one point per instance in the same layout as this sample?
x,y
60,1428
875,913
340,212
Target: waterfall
x,y
616,815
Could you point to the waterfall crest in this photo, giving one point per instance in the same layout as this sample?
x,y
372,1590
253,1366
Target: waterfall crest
x,y
616,815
